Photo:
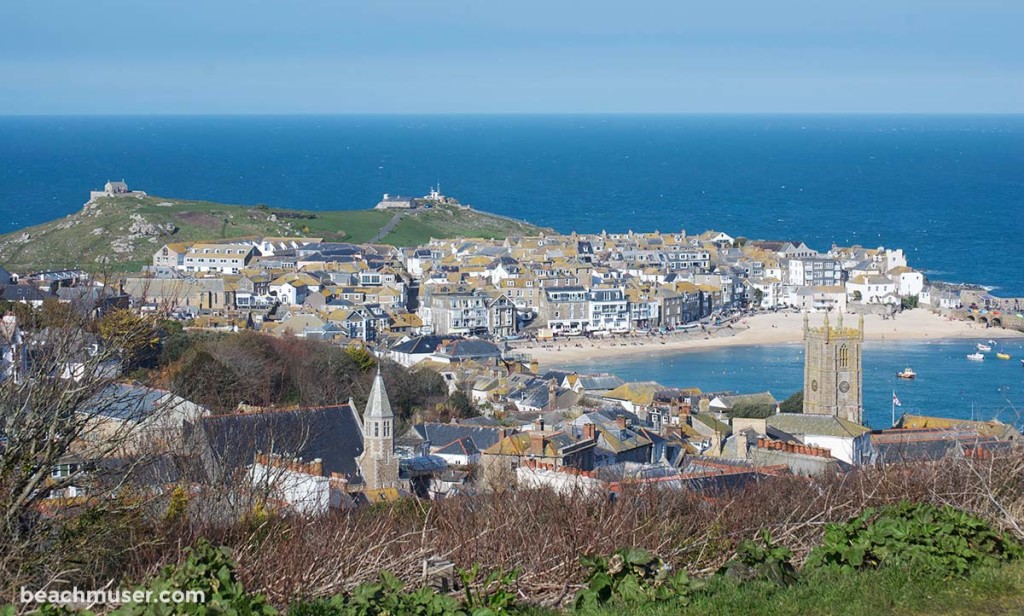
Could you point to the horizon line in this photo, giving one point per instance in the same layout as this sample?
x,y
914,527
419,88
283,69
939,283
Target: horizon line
x,y
515,114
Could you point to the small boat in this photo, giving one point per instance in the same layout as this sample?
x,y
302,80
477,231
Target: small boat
x,y
975,357
906,374
984,348
1002,356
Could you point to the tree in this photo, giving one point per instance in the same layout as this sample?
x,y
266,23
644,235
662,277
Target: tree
x,y
858,296
55,423
794,403
908,302
133,336
752,410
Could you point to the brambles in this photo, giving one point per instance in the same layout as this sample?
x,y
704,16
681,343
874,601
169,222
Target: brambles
x,y
388,596
208,569
385,596
920,536
632,577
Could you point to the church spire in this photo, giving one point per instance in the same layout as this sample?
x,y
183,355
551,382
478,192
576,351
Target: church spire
x,y
377,405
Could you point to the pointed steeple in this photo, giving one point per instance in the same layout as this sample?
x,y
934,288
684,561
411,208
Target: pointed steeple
x,y
377,405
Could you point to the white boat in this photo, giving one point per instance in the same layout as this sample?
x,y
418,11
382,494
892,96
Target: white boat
x,y
975,357
906,374
984,348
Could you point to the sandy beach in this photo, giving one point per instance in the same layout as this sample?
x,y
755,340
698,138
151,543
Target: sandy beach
x,y
763,329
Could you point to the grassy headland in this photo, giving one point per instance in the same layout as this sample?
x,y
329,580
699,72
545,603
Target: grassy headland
x,y
122,233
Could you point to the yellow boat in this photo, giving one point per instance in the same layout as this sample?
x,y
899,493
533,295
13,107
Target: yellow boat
x,y
1002,356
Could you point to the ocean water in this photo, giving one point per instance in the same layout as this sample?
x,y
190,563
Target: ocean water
x,y
950,190
947,385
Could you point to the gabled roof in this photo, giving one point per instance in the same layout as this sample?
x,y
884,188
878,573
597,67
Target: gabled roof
x,y
459,447
820,425
329,433
442,433
984,428
641,393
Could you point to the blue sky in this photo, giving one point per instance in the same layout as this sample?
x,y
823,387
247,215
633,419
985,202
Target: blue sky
x,y
482,56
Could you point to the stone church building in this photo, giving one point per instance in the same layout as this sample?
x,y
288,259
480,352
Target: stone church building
x,y
833,370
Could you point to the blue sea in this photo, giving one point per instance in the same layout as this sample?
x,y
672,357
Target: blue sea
x,y
947,385
948,189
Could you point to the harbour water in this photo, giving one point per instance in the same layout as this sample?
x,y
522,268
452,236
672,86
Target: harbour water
x,y
947,385
948,189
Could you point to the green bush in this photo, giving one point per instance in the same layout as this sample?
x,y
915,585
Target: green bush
x,y
386,596
631,578
762,561
919,536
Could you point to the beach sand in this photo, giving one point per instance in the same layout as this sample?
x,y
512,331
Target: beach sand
x,y
764,329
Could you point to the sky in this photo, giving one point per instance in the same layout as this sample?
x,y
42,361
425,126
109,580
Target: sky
x,y
527,56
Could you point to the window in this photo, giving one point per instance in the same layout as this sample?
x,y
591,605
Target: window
x,y
376,429
844,359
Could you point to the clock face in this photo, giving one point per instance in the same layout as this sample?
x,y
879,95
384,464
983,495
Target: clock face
x,y
844,386
814,385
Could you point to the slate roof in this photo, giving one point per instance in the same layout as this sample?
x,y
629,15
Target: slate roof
x,y
420,345
5,276
442,433
21,293
821,425
599,382
469,348
459,447
125,402
329,433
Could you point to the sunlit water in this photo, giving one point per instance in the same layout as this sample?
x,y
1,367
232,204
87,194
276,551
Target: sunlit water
x,y
948,385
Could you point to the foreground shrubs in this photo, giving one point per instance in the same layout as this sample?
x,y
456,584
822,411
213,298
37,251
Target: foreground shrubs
x,y
762,560
918,536
389,596
630,578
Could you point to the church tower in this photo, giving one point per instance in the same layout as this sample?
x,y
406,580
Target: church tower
x,y
832,370
378,463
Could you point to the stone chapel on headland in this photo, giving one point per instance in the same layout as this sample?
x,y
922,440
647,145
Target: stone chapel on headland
x,y
832,370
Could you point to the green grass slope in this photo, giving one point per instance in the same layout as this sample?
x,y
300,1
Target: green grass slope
x,y
122,233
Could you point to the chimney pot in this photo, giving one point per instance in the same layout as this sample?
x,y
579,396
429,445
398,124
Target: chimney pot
x,y
537,442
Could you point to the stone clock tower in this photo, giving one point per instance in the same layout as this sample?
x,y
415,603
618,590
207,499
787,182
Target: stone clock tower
x,y
832,370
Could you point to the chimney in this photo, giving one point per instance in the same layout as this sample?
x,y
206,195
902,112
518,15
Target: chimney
x,y
534,366
537,442
589,431
538,425
502,434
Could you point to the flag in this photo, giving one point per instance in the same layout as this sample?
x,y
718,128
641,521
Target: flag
x,y
895,400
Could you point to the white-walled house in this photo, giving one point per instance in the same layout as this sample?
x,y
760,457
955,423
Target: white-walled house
x,y
292,289
908,282
460,452
846,440
872,290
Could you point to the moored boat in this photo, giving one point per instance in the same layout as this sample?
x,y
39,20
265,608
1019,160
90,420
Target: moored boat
x,y
975,357
984,348
1003,355
906,374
